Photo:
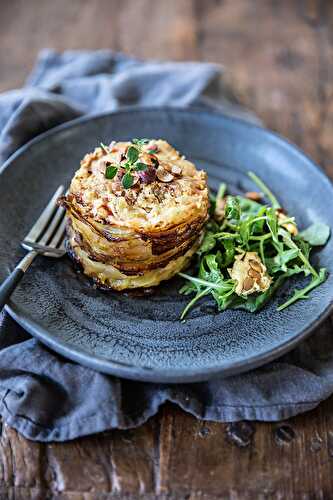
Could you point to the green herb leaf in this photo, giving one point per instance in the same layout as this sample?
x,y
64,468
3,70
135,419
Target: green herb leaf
x,y
317,234
140,142
244,232
127,180
208,243
249,207
140,167
291,244
280,261
111,171
229,252
132,154
232,208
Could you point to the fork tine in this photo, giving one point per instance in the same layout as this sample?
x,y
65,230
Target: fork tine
x,y
52,226
59,234
40,224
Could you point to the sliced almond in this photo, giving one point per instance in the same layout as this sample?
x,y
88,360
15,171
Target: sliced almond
x,y
176,170
116,187
255,265
253,195
254,274
163,175
248,284
135,179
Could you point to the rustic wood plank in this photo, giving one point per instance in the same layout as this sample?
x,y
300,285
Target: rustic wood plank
x,y
284,460
279,54
112,462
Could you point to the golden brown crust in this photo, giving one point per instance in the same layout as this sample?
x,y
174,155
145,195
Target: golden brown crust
x,y
142,235
157,206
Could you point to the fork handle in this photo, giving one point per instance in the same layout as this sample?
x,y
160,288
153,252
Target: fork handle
x,y
11,282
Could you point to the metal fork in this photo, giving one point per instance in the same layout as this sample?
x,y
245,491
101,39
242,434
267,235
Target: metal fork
x,y
46,237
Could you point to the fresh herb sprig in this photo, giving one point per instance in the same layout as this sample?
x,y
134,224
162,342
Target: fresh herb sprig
x,y
249,226
131,165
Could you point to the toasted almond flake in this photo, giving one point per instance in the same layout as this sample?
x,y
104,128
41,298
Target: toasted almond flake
x,y
163,175
253,195
255,265
291,227
244,274
175,169
254,274
248,284
135,179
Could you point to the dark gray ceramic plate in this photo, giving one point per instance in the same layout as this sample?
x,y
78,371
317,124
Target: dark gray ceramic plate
x,y
142,338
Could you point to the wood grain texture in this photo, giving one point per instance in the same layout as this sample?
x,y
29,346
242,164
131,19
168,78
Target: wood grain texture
x,y
279,55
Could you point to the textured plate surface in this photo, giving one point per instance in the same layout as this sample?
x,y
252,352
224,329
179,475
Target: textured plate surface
x,y
141,337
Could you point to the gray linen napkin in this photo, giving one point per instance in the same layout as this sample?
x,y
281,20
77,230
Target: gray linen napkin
x,y
46,397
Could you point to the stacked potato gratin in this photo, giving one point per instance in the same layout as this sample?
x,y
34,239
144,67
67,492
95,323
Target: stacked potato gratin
x,y
136,212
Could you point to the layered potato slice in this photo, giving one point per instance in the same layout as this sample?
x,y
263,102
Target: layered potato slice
x,y
130,236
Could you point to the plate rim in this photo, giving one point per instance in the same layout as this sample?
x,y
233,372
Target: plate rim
x,y
153,374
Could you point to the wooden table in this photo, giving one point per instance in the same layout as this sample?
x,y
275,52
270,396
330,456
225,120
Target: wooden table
x,y
280,54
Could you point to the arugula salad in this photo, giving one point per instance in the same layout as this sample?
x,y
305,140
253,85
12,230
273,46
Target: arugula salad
x,y
249,250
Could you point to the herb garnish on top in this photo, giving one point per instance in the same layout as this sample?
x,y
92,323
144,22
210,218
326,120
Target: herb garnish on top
x,y
132,163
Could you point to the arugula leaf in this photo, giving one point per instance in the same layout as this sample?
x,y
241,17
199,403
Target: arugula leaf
x,y
210,280
301,254
209,269
232,208
223,299
197,297
228,255
258,226
262,186
251,226
208,243
303,292
244,231
317,234
281,260
249,207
